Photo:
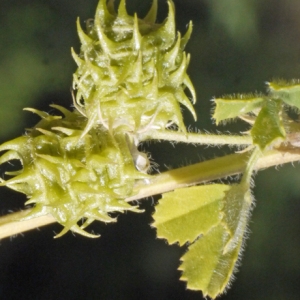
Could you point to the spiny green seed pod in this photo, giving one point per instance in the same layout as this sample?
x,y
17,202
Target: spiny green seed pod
x,y
72,177
131,72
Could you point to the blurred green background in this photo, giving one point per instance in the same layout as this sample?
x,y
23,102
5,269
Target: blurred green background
x,y
236,46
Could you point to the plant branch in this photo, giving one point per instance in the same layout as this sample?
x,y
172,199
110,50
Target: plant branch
x,y
209,170
182,177
9,224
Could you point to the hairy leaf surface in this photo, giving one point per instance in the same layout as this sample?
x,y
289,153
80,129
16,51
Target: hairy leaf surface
x,y
205,266
209,264
288,92
181,216
214,219
232,107
237,207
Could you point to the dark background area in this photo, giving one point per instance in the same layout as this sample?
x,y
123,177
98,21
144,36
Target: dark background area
x,y
236,46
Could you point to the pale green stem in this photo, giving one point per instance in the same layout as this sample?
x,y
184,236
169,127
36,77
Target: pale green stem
x,y
196,138
209,170
256,153
10,226
194,174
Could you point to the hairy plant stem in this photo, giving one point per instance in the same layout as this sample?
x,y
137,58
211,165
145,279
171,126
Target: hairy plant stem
x,y
182,177
196,138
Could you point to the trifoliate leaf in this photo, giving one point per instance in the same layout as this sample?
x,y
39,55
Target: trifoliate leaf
x,y
268,125
184,214
205,266
236,105
288,92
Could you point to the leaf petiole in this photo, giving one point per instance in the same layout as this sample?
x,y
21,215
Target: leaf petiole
x,y
196,138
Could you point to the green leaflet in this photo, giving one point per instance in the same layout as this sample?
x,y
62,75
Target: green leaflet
x,y
236,105
210,261
268,126
288,92
181,216
205,266
266,117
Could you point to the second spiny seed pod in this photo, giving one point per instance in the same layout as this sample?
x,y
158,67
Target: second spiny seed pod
x,y
131,72
70,177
